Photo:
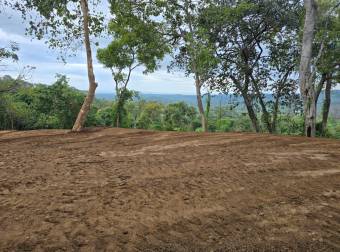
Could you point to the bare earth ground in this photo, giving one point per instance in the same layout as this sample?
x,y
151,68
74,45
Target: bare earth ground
x,y
134,190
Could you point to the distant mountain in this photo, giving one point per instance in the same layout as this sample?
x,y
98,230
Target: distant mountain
x,y
171,98
220,99
215,101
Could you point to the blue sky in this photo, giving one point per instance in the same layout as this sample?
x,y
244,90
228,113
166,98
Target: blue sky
x,y
35,53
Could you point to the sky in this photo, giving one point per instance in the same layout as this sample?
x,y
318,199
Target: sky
x,y
37,54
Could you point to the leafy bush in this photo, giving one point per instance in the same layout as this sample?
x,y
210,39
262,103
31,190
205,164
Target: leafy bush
x,y
290,125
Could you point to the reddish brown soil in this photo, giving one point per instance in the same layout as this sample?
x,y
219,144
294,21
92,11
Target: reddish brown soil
x,y
134,190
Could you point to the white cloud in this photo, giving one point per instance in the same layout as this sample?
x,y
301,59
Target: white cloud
x,y
36,53
6,37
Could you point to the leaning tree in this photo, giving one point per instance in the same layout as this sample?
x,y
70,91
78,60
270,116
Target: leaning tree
x,y
64,24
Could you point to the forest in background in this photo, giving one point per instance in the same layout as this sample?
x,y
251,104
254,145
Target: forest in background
x,y
56,106
289,49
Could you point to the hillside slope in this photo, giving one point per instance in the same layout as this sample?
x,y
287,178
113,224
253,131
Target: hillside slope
x,y
134,190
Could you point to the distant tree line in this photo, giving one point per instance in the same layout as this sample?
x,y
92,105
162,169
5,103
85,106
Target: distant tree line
x,y
56,106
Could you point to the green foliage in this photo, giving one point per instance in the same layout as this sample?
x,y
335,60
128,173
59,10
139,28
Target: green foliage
x,y
242,124
136,32
41,106
179,116
291,125
9,52
248,37
249,47
151,116
119,109
332,130
137,42
192,50
328,35
56,106
104,117
14,114
224,125
58,21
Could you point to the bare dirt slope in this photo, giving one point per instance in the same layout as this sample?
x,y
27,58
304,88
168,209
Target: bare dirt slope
x,y
134,190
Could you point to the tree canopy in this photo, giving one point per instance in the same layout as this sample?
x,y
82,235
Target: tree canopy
x,y
279,56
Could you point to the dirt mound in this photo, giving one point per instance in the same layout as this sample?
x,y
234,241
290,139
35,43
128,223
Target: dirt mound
x,y
134,190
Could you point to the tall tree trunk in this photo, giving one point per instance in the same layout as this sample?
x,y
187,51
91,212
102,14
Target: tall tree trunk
x,y
306,83
326,105
85,109
200,103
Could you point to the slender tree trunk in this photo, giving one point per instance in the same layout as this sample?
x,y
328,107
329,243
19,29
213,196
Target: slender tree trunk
x,y
319,88
220,110
306,83
266,116
200,103
198,83
326,105
281,85
276,111
247,100
251,112
117,120
12,123
85,109
207,107
118,95
120,107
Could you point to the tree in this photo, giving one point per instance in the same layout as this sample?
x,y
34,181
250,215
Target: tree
x,y
320,45
282,82
193,53
85,109
327,68
137,42
305,74
247,35
64,23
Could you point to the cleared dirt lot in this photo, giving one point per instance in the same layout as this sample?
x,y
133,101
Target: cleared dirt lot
x,y
134,190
